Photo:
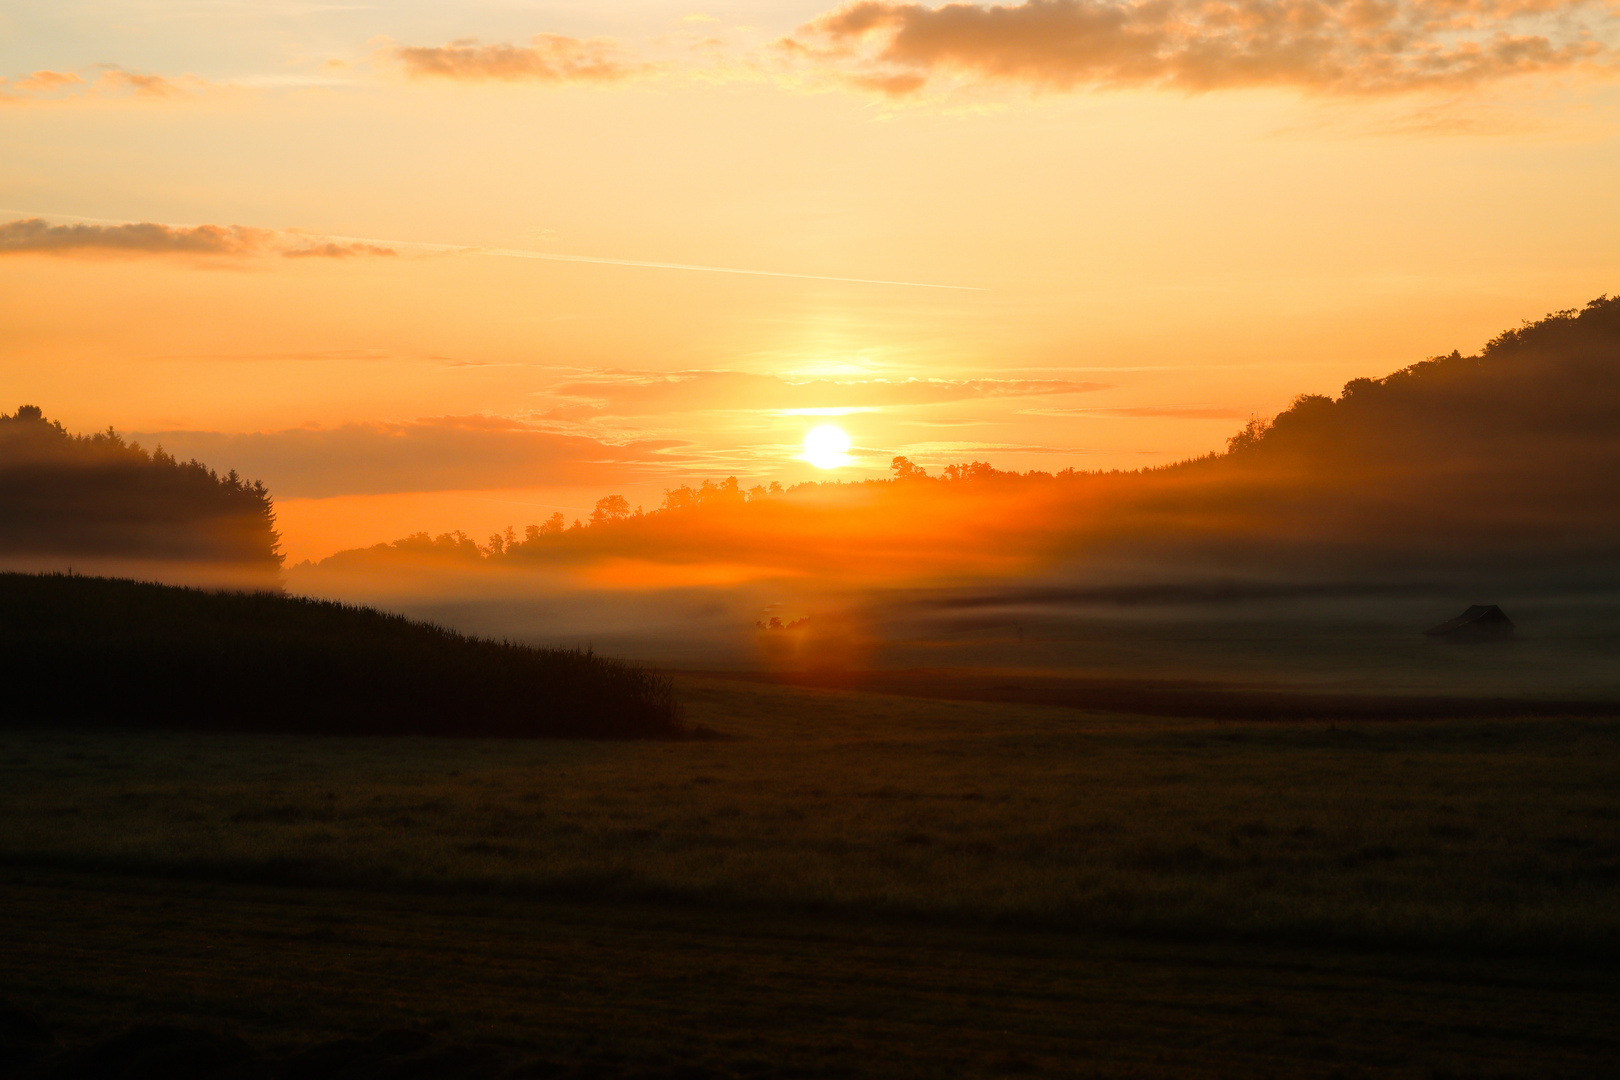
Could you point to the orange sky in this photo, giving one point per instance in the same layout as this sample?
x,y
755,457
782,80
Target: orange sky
x,y
1148,246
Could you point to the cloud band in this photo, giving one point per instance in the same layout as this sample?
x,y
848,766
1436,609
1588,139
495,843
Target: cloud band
x,y
25,236
1335,46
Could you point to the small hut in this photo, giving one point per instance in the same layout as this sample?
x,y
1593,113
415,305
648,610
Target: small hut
x,y
1481,622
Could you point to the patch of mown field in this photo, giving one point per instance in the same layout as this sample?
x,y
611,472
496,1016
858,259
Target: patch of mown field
x,y
490,987
1480,834
845,883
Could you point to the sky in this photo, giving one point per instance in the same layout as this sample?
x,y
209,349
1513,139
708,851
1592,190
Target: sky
x,y
433,266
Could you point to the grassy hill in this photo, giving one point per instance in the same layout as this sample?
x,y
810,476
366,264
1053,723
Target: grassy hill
x,y
128,654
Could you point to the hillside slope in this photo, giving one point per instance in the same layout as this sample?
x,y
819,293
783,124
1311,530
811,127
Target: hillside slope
x,y
78,650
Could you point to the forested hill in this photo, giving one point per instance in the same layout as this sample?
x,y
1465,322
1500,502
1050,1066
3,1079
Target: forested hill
x,y
99,496
1546,392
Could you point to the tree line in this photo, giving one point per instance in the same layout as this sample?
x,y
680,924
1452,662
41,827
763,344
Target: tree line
x,y
1517,441
97,495
687,502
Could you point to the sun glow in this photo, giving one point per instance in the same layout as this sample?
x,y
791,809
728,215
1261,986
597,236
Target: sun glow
x,y
826,447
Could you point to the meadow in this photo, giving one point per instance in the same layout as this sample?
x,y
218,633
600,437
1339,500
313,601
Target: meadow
x,y
845,883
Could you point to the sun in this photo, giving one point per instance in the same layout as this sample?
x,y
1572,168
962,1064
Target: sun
x,y
826,447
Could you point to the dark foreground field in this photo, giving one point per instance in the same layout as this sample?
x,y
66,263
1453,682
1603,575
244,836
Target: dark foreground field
x,y
851,885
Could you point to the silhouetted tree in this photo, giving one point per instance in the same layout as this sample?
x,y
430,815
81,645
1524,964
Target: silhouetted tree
x,y
977,470
612,508
726,491
903,469
1249,438
680,498
501,543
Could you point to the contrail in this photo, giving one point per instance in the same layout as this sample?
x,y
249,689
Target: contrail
x,y
512,253
516,253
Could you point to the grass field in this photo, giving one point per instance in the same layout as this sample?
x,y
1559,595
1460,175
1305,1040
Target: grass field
x,y
847,884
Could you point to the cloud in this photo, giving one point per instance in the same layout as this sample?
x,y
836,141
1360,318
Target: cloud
x,y
1170,412
898,84
107,81
448,453
335,250
1344,47
550,58
943,452
37,236
641,394
43,82
152,86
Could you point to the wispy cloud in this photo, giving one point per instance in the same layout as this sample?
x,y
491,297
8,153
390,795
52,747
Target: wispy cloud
x,y
101,81
45,82
1345,47
333,249
141,85
548,58
447,453
554,257
646,394
38,236
1165,412
30,235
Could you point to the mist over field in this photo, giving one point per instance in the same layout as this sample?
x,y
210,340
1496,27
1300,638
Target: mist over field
x,y
1312,552
1315,549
